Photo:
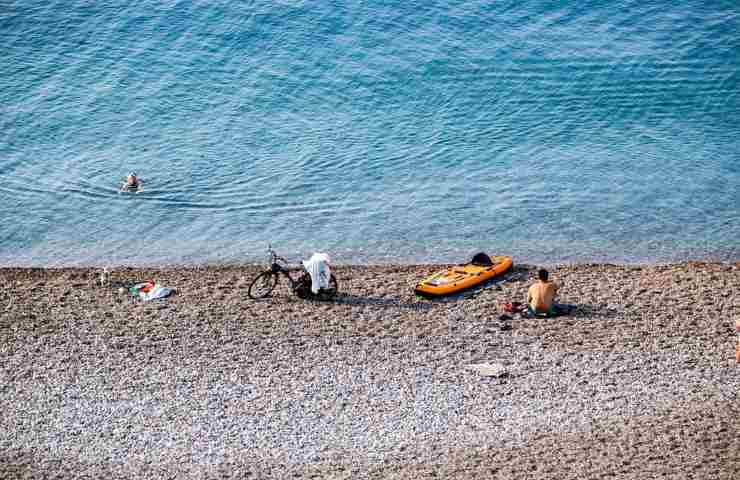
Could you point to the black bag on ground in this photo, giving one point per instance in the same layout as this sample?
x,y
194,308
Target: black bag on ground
x,y
302,287
481,260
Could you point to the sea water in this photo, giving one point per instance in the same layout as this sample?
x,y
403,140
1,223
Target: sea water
x,y
376,131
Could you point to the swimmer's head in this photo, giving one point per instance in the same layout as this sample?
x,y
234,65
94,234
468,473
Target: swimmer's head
x,y
131,179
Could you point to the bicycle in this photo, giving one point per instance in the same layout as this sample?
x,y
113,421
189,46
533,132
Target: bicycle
x,y
263,285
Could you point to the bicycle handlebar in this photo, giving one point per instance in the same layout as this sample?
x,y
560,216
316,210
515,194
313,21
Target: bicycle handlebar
x,y
274,257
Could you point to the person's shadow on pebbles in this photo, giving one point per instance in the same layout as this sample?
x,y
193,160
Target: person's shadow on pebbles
x,y
584,311
383,302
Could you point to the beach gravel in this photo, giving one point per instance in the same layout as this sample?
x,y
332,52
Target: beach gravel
x,y
639,382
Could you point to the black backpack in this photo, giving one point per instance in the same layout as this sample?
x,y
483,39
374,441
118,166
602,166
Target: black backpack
x,y
481,260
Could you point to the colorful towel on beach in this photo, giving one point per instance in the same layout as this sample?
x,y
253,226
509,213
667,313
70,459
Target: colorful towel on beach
x,y
515,307
150,290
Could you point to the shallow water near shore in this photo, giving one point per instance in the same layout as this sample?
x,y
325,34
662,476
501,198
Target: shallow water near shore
x,y
407,132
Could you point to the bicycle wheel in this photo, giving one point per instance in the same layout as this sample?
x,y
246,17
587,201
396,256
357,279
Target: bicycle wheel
x,y
263,285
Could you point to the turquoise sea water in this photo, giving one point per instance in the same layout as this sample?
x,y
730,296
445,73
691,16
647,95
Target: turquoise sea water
x,y
384,131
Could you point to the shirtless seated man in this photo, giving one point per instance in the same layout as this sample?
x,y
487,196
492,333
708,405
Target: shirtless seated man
x,y
541,295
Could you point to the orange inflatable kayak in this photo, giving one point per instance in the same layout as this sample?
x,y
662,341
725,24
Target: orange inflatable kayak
x,y
458,278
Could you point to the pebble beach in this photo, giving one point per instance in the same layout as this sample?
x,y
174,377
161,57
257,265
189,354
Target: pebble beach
x,y
639,382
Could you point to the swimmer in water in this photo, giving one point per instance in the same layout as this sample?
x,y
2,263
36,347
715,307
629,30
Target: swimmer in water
x,y
132,183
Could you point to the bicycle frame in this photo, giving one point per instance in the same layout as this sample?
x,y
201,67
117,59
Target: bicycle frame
x,y
276,265
300,286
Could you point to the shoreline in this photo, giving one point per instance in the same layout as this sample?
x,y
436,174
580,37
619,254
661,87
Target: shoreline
x,y
389,265
725,258
640,381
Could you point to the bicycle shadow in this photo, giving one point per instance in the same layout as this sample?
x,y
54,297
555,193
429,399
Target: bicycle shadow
x,y
382,302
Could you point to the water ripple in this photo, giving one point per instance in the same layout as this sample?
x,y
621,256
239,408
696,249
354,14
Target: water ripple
x,y
404,131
